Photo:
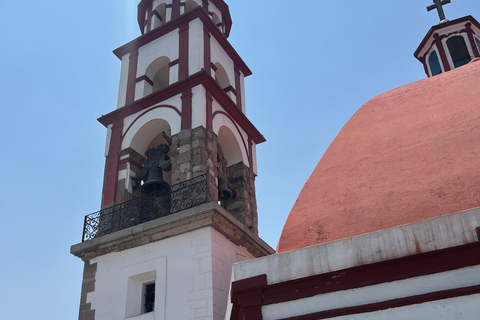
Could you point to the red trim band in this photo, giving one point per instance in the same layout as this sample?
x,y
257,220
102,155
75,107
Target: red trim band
x,y
362,276
198,78
146,79
389,304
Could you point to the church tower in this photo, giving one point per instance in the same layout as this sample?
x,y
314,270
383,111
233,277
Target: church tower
x,y
178,204
450,44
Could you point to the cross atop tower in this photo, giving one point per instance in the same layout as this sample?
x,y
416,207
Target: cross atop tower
x,y
438,4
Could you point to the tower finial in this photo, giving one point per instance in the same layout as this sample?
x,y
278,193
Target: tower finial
x,y
438,4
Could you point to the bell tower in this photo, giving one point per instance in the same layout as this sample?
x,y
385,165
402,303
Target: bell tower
x,y
178,204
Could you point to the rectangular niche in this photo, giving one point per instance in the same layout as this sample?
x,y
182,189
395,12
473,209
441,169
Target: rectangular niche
x,y
146,286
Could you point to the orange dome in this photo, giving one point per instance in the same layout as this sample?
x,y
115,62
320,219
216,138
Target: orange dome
x,y
407,155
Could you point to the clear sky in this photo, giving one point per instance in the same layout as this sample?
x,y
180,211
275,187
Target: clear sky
x,y
314,63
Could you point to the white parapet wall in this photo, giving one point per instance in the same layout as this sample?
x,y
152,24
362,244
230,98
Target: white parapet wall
x,y
423,291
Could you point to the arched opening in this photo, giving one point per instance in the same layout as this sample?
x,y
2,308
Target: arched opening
x,y
230,167
190,5
221,76
159,73
229,146
218,22
458,51
434,64
150,136
159,15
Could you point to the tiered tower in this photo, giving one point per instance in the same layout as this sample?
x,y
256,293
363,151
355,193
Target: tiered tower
x,y
178,204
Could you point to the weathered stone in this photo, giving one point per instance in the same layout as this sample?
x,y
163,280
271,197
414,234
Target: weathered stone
x,y
184,157
185,148
184,167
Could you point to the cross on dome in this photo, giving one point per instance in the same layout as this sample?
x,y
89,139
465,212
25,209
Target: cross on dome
x,y
438,4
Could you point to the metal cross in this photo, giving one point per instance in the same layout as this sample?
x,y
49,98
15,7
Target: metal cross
x,y
438,4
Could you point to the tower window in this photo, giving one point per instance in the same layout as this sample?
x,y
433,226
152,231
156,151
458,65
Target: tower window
x,y
458,51
148,297
478,43
434,64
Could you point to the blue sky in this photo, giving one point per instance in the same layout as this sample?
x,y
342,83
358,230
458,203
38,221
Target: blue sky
x,y
314,63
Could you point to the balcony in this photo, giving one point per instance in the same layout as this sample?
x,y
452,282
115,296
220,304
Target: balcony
x,y
176,198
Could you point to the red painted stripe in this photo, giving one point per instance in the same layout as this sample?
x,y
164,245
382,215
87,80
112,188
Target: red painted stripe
x,y
162,106
174,63
146,79
367,275
131,161
376,273
439,27
183,52
170,26
207,58
110,182
441,51
175,9
200,77
471,39
238,85
396,303
209,108
187,109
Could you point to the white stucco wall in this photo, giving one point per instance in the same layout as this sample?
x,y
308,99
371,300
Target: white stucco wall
x,y
461,308
167,46
191,273
136,121
199,107
219,55
122,88
222,120
195,47
177,262
426,236
224,255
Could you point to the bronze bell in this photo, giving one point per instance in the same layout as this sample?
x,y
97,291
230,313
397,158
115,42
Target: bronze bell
x,y
154,181
224,192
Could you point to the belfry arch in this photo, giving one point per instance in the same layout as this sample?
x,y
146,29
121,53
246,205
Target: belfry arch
x,y
158,72
160,15
139,138
230,146
221,76
190,5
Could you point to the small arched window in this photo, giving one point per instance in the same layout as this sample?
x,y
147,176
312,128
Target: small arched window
x,y
458,51
217,21
221,76
190,5
158,73
159,15
434,64
477,41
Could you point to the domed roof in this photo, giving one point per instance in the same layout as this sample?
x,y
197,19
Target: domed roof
x,y
407,155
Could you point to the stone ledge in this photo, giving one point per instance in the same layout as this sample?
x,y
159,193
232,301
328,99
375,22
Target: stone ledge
x,y
202,216
430,235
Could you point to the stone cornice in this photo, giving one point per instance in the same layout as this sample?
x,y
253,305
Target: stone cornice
x,y
203,216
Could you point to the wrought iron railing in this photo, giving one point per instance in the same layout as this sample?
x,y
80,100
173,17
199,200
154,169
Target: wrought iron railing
x,y
185,195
